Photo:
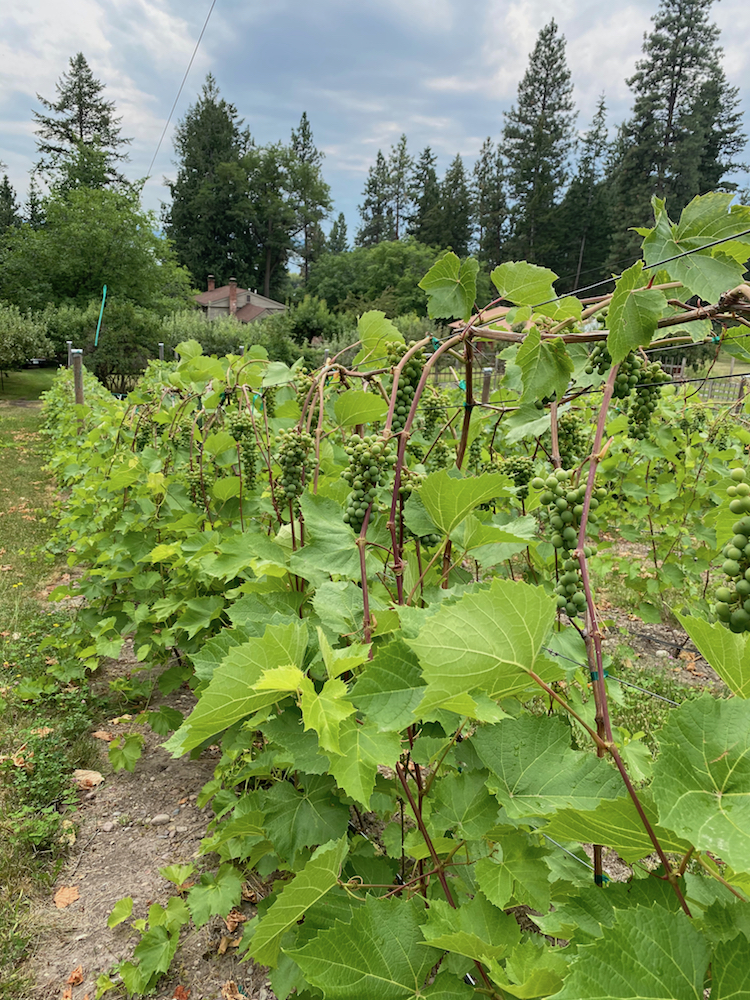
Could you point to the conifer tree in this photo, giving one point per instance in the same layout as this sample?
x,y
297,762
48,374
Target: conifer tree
x,y
208,219
80,118
9,209
684,132
537,141
311,195
582,222
400,166
490,204
375,210
455,204
337,238
426,219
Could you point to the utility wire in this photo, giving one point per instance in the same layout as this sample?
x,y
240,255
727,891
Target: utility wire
x,y
179,92
619,680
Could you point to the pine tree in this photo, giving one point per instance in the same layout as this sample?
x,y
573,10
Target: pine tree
x,y
582,222
537,141
400,166
272,212
34,210
455,200
80,118
9,213
311,194
375,210
684,131
425,222
208,219
337,240
490,206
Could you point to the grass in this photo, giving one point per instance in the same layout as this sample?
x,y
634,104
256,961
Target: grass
x,y
28,384
46,713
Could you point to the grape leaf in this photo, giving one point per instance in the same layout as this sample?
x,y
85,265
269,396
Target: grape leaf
x,y
231,693
647,954
702,777
357,407
214,894
363,748
546,367
727,652
730,970
451,287
530,971
524,284
380,955
375,331
633,313
324,711
286,731
448,500
297,818
201,611
319,876
330,545
476,929
463,804
487,640
120,911
390,687
517,872
615,823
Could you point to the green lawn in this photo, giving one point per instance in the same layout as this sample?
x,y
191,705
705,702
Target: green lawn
x,y
25,385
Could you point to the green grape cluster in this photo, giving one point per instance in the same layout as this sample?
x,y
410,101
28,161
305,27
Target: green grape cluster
x,y
240,426
733,599
269,401
694,420
440,456
647,393
197,483
571,439
434,404
411,481
628,374
144,435
519,468
369,459
474,455
407,383
564,503
294,447
415,451
303,382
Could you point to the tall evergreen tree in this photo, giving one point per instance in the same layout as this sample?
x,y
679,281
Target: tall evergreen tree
x,y
310,193
455,200
537,141
208,219
375,210
490,204
34,209
582,220
684,132
272,212
80,118
337,238
426,219
9,209
400,166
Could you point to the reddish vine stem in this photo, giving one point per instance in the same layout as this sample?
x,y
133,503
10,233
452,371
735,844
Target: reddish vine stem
x,y
438,865
361,543
553,432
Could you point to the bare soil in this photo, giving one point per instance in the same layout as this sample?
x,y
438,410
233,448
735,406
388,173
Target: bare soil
x,y
118,852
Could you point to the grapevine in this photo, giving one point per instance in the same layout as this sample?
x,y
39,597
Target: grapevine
x,y
647,392
571,438
519,468
240,426
294,448
733,598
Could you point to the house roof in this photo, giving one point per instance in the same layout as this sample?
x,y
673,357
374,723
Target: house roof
x,y
222,294
218,293
249,312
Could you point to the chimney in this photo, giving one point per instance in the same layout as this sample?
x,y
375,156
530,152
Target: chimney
x,y
232,296
211,283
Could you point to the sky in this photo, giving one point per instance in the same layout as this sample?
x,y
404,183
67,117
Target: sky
x,y
440,71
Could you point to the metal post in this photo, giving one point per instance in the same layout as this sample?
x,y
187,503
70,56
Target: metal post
x,y
326,354
731,367
177,356
77,359
161,351
70,347
740,395
242,350
486,384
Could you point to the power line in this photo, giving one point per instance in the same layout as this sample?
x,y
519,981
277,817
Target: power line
x,y
179,92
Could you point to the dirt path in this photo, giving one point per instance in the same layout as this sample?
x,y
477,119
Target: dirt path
x,y
129,826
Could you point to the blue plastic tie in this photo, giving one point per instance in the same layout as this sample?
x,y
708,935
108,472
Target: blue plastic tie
x,y
595,674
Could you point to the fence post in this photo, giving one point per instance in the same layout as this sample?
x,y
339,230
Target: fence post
x,y
242,350
77,358
161,351
740,395
486,384
70,347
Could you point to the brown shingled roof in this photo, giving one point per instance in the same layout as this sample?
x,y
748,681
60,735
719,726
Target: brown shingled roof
x,y
218,293
249,312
